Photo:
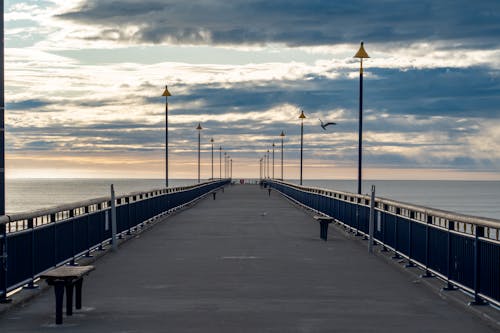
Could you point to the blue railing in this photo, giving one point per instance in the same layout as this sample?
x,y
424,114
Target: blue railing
x,y
462,250
31,243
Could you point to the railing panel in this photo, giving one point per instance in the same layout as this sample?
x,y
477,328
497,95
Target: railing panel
x,y
44,248
64,240
438,250
19,260
403,232
418,242
390,229
462,260
489,271
80,235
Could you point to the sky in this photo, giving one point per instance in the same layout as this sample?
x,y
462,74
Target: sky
x,y
84,81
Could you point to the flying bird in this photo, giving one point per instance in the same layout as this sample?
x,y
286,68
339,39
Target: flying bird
x,y
324,125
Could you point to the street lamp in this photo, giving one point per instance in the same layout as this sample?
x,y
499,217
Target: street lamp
x,y
301,117
220,162
361,54
199,128
166,93
282,135
212,142
273,159
268,163
225,165
231,170
260,168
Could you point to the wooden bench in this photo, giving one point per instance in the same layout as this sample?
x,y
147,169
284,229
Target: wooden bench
x,y
323,221
67,277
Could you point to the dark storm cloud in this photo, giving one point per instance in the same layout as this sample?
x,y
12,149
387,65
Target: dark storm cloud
x,y
463,92
27,104
293,22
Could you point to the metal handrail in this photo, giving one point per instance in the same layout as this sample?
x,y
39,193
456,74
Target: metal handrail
x,y
452,216
4,219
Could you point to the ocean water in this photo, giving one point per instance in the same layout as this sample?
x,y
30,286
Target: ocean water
x,y
23,195
477,198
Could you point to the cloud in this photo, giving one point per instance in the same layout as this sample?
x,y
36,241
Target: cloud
x,y
294,23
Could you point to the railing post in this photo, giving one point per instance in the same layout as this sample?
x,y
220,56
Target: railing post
x,y
371,225
477,267
3,265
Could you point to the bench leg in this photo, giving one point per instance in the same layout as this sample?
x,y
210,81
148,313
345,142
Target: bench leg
x,y
78,295
59,292
69,299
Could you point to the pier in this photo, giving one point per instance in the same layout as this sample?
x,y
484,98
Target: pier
x,y
248,260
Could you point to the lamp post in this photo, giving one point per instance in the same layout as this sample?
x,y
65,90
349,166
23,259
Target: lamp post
x,y
199,128
273,158
231,170
225,165
212,142
361,54
260,168
166,93
3,250
268,175
220,162
282,135
301,117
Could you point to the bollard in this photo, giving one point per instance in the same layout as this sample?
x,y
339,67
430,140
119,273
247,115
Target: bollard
x,y
324,230
213,194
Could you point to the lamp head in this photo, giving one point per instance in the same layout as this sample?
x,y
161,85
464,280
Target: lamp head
x,y
361,53
302,115
212,140
166,93
282,134
199,128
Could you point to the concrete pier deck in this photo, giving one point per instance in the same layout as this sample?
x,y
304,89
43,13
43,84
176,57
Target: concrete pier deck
x,y
246,262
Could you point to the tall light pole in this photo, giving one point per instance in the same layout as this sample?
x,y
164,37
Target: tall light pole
x,y
231,170
166,93
220,162
260,168
268,175
212,142
273,158
282,135
225,165
301,117
361,54
3,253
199,128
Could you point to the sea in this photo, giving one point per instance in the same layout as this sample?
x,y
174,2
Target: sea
x,y
476,198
